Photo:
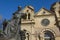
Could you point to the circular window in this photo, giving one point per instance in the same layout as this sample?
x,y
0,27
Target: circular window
x,y
45,22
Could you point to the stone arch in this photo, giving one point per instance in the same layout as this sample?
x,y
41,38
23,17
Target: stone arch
x,y
49,35
47,30
29,15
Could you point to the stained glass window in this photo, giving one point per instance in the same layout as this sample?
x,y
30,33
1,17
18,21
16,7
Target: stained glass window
x,y
45,22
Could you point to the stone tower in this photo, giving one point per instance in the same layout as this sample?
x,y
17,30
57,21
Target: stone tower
x,y
55,8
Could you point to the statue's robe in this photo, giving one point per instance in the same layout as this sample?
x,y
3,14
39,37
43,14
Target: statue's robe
x,y
11,30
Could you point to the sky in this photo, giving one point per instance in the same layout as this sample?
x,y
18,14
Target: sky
x,y
8,7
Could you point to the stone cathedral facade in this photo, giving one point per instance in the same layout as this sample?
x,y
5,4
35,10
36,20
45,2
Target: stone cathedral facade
x,y
42,25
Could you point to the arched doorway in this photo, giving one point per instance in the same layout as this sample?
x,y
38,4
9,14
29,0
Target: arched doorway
x,y
48,35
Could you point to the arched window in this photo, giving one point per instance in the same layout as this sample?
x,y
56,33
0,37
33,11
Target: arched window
x,y
28,36
24,16
28,15
48,35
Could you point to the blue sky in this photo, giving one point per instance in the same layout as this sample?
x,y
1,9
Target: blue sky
x,y
7,7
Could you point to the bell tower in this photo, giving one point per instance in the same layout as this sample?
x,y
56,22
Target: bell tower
x,y
56,9
29,11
